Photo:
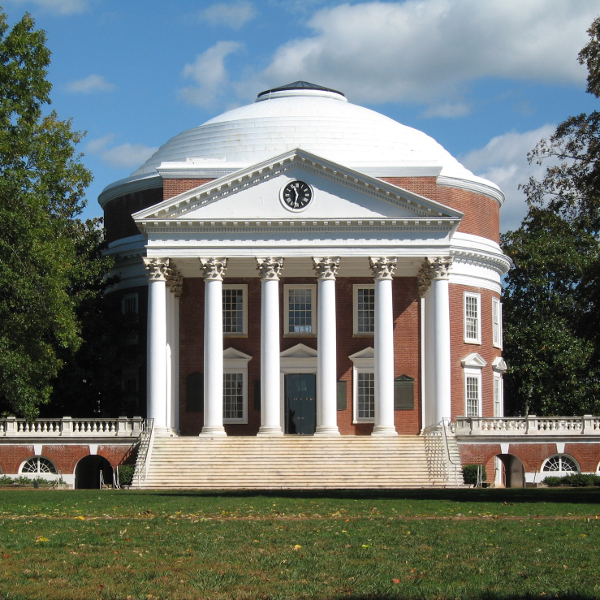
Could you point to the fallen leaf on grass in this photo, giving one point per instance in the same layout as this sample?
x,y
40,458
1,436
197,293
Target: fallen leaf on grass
x,y
395,580
42,539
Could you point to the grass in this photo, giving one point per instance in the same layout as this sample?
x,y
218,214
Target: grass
x,y
445,544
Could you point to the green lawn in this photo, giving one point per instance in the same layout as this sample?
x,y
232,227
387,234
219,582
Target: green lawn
x,y
494,544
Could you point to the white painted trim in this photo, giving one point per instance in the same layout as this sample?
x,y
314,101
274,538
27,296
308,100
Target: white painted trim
x,y
497,323
355,288
363,362
244,288
477,297
286,309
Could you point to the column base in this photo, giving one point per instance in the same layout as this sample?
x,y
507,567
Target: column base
x,y
384,431
165,432
213,431
270,431
327,431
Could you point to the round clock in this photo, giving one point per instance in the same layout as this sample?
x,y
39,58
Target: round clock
x,y
296,195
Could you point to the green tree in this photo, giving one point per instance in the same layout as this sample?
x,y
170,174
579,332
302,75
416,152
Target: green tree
x,y
43,268
552,296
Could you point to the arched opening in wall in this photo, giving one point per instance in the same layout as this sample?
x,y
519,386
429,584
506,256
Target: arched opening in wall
x,y
560,465
513,475
89,470
38,467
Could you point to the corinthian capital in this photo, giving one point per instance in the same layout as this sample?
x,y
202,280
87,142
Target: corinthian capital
x,y
157,268
175,279
269,268
213,268
383,267
326,267
433,268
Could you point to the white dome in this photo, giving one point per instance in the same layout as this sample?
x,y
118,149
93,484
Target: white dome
x,y
317,120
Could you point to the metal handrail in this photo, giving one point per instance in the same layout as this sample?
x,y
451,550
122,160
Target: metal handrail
x,y
141,463
445,436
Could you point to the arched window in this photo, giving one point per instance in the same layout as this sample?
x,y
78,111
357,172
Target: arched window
x,y
560,463
38,465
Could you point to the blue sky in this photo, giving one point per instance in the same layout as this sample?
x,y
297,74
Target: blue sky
x,y
485,78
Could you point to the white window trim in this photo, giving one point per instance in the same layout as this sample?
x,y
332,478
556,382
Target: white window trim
x,y
244,288
125,298
363,362
499,368
355,288
235,361
472,367
286,309
497,325
477,296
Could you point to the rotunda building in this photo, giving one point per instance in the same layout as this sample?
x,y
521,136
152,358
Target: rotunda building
x,y
306,266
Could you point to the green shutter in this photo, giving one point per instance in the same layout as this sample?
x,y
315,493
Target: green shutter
x,y
194,393
404,398
342,395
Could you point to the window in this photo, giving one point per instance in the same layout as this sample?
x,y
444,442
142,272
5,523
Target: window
x,y
363,384
560,463
472,318
473,365
235,314
38,465
498,408
233,397
366,396
129,307
300,309
472,395
129,304
364,309
235,386
497,322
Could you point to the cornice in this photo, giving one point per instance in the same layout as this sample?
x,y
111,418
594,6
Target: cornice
x,y
130,185
472,186
176,208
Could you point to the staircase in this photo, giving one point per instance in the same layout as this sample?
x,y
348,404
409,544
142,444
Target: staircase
x,y
290,462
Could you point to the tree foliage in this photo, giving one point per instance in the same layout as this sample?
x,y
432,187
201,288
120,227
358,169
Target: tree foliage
x,y
45,266
552,295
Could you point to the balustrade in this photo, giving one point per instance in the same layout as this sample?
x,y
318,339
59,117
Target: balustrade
x,y
531,425
69,427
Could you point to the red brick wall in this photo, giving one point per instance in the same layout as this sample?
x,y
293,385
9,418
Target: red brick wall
x,y
64,456
459,349
406,340
482,214
174,187
117,212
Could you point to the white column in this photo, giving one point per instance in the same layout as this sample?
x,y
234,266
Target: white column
x,y
213,346
383,269
157,344
270,388
326,269
439,316
175,283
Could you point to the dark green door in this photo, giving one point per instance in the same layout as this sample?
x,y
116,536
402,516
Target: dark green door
x,y
300,403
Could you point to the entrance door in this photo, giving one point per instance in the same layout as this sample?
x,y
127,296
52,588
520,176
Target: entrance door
x,y
300,403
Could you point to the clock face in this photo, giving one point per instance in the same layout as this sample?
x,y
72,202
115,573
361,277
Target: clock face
x,y
297,195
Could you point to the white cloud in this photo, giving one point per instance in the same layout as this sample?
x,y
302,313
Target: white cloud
x,y
59,7
92,83
209,74
124,156
234,14
503,160
429,51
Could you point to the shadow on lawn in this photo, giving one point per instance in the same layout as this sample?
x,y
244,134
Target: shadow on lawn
x,y
570,595
525,495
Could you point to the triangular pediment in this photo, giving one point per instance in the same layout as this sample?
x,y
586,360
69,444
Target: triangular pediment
x,y
340,196
474,360
233,354
299,351
367,353
499,364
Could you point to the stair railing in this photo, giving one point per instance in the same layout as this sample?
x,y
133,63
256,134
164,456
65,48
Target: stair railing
x,y
144,451
446,423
